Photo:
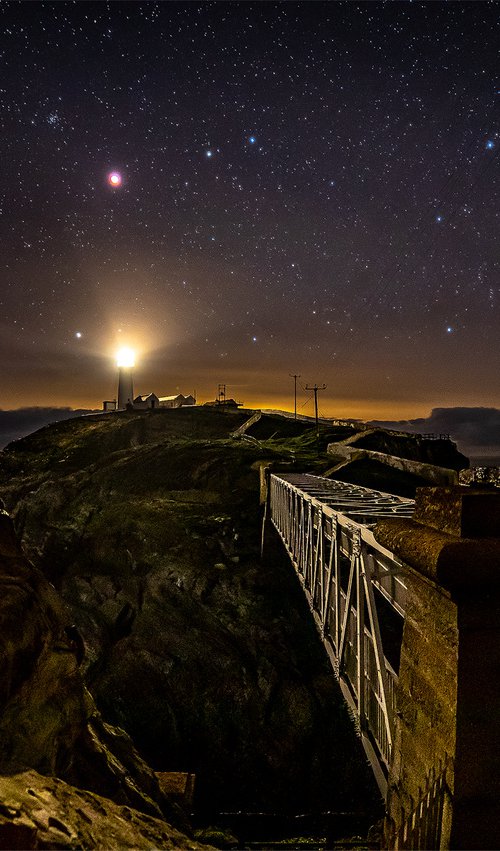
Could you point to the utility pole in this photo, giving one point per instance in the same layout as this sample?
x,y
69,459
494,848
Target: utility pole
x,y
294,376
315,389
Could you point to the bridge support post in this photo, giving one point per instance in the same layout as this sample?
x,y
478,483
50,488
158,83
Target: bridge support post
x,y
444,782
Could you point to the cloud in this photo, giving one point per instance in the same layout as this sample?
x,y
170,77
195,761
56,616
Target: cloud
x,y
475,430
20,422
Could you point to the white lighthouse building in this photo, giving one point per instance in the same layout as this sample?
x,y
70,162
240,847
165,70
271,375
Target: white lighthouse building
x,y
125,362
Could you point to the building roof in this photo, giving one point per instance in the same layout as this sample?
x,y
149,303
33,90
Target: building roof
x,y
145,397
219,403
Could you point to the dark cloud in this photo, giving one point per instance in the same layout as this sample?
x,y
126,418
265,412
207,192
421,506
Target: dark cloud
x,y
18,423
476,430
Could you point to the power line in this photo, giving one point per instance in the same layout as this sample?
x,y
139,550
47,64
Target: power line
x,y
306,401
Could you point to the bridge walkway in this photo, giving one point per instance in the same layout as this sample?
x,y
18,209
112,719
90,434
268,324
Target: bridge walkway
x,y
356,591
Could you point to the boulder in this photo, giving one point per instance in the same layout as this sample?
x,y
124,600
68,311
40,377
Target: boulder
x,y
45,812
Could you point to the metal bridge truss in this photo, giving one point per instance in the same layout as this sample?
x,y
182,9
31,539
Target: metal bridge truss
x,y
356,591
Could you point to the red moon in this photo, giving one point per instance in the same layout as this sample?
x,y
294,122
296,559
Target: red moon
x,y
115,179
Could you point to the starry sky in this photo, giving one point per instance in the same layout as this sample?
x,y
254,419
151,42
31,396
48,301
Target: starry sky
x,y
241,191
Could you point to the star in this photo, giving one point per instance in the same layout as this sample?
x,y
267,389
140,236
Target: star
x,y
115,179
258,238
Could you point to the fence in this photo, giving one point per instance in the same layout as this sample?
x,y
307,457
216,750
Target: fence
x,y
425,827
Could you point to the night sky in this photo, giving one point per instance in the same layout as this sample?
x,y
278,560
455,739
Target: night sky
x,y
305,188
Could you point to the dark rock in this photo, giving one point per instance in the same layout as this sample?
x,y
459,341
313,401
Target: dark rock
x,y
48,720
441,452
17,834
370,473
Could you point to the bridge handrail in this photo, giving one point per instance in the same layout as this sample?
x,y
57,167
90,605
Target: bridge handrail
x,y
325,544
348,523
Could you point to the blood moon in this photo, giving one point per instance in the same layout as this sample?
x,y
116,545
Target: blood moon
x,y
115,179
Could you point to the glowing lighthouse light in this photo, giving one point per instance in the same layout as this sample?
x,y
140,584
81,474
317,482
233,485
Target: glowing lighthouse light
x,y
115,179
125,357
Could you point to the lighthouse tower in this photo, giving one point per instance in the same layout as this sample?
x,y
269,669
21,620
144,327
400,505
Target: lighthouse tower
x,y
125,363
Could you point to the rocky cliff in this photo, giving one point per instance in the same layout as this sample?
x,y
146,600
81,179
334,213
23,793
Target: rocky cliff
x,y
148,526
49,724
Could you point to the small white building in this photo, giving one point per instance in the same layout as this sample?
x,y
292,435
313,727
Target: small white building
x,y
149,401
178,401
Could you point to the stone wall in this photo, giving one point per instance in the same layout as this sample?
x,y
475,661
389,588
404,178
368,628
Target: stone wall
x,y
448,699
426,698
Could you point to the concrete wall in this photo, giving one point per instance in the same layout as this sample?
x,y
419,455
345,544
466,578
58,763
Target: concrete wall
x,y
448,697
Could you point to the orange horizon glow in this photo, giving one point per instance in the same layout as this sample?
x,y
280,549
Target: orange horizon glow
x,y
331,408
361,409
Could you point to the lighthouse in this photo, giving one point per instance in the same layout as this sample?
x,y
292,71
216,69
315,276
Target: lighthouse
x,y
125,360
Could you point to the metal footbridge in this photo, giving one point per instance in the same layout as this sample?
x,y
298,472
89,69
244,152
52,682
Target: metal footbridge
x,y
356,591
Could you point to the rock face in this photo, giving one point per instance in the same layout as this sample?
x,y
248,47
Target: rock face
x,y
48,719
441,452
395,462
148,526
44,812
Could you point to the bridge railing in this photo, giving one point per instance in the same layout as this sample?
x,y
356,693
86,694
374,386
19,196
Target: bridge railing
x,y
348,578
